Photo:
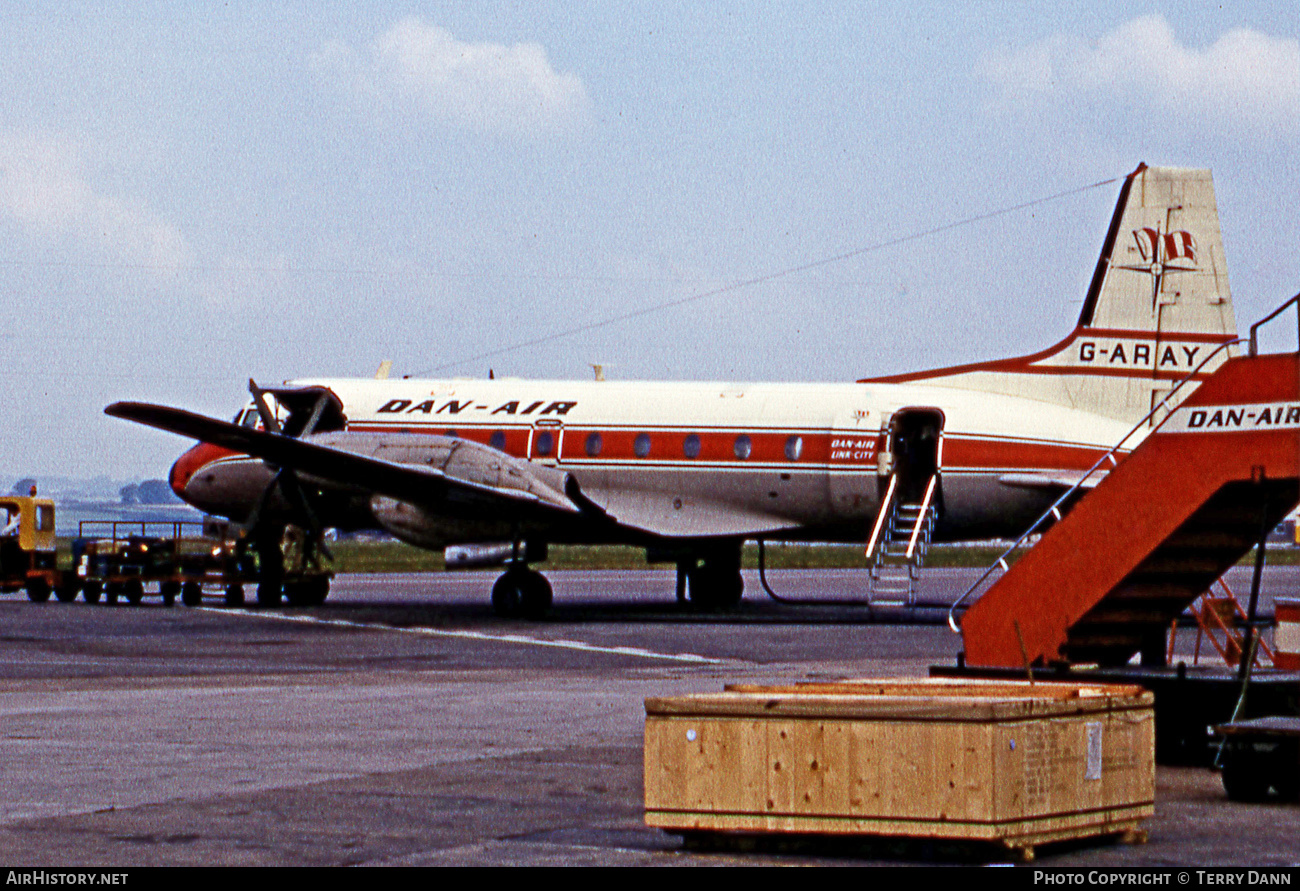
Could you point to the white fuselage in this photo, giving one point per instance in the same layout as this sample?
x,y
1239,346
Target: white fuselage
x,y
735,459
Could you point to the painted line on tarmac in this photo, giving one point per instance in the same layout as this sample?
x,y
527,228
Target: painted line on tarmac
x,y
522,639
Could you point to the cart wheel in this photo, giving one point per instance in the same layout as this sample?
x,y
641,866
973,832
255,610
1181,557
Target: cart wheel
x,y
1244,777
268,593
235,595
169,590
92,592
191,593
320,589
133,591
38,590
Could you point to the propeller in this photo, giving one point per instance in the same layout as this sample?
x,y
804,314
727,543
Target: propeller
x,y
285,478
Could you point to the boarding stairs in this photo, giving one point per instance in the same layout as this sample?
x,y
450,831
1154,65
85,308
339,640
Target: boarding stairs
x,y
1221,620
900,542
1105,583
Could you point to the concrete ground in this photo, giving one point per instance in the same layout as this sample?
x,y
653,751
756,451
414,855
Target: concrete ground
x,y
403,724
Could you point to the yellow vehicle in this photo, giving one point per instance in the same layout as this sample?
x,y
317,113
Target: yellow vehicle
x,y
27,548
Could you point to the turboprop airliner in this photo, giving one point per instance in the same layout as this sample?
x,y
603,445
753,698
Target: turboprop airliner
x,y
690,471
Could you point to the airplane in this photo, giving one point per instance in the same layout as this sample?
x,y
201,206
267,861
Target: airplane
x,y
691,471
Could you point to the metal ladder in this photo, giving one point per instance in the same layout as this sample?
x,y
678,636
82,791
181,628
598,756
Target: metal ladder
x,y
1219,618
900,541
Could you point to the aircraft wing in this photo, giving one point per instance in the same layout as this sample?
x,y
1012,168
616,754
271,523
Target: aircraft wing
x,y
451,475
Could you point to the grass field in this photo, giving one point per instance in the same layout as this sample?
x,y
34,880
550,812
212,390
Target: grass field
x,y
393,556
397,557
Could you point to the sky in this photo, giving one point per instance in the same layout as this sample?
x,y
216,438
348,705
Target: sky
x,y
195,194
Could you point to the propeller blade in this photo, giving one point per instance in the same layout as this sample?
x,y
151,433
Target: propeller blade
x,y
259,397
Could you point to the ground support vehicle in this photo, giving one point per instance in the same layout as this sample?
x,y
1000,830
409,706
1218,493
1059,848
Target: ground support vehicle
x,y
1261,758
114,560
28,550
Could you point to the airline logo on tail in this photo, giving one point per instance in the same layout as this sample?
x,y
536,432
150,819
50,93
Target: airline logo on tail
x,y
1159,250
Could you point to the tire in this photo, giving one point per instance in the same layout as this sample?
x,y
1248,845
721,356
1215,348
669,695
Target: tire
x,y
92,592
1245,774
111,592
298,593
133,591
67,591
38,590
713,587
536,596
268,593
191,594
169,590
235,595
507,596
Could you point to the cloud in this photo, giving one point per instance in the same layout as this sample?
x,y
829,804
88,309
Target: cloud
x,y
1244,78
482,87
44,190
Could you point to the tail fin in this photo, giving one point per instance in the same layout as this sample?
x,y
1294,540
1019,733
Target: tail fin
x,y
1159,303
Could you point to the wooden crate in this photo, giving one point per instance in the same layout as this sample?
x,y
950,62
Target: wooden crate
x,y
998,761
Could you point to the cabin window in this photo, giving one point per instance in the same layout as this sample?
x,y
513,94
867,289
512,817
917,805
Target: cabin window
x,y
452,433
593,445
44,518
498,440
691,446
744,447
793,448
641,445
543,443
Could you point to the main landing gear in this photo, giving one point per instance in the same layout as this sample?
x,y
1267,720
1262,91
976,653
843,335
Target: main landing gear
x,y
712,580
521,593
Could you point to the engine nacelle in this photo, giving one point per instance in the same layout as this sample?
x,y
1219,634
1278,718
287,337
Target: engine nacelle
x,y
414,525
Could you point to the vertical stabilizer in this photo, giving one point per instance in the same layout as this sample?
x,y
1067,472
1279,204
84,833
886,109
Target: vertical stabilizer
x,y
1162,266
1158,305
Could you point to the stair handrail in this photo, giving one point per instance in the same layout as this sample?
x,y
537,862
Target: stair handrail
x,y
921,517
1055,511
880,519
1254,342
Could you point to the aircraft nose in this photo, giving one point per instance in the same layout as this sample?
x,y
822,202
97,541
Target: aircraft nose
x,y
189,464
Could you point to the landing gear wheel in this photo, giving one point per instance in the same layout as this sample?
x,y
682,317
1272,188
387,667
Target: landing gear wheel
x,y
91,593
234,595
521,593
191,594
133,591
317,590
536,596
38,590
306,592
507,596
716,584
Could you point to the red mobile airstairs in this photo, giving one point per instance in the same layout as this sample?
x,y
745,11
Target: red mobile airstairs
x,y
1106,582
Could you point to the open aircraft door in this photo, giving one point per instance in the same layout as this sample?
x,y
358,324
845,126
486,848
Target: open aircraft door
x,y
907,477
